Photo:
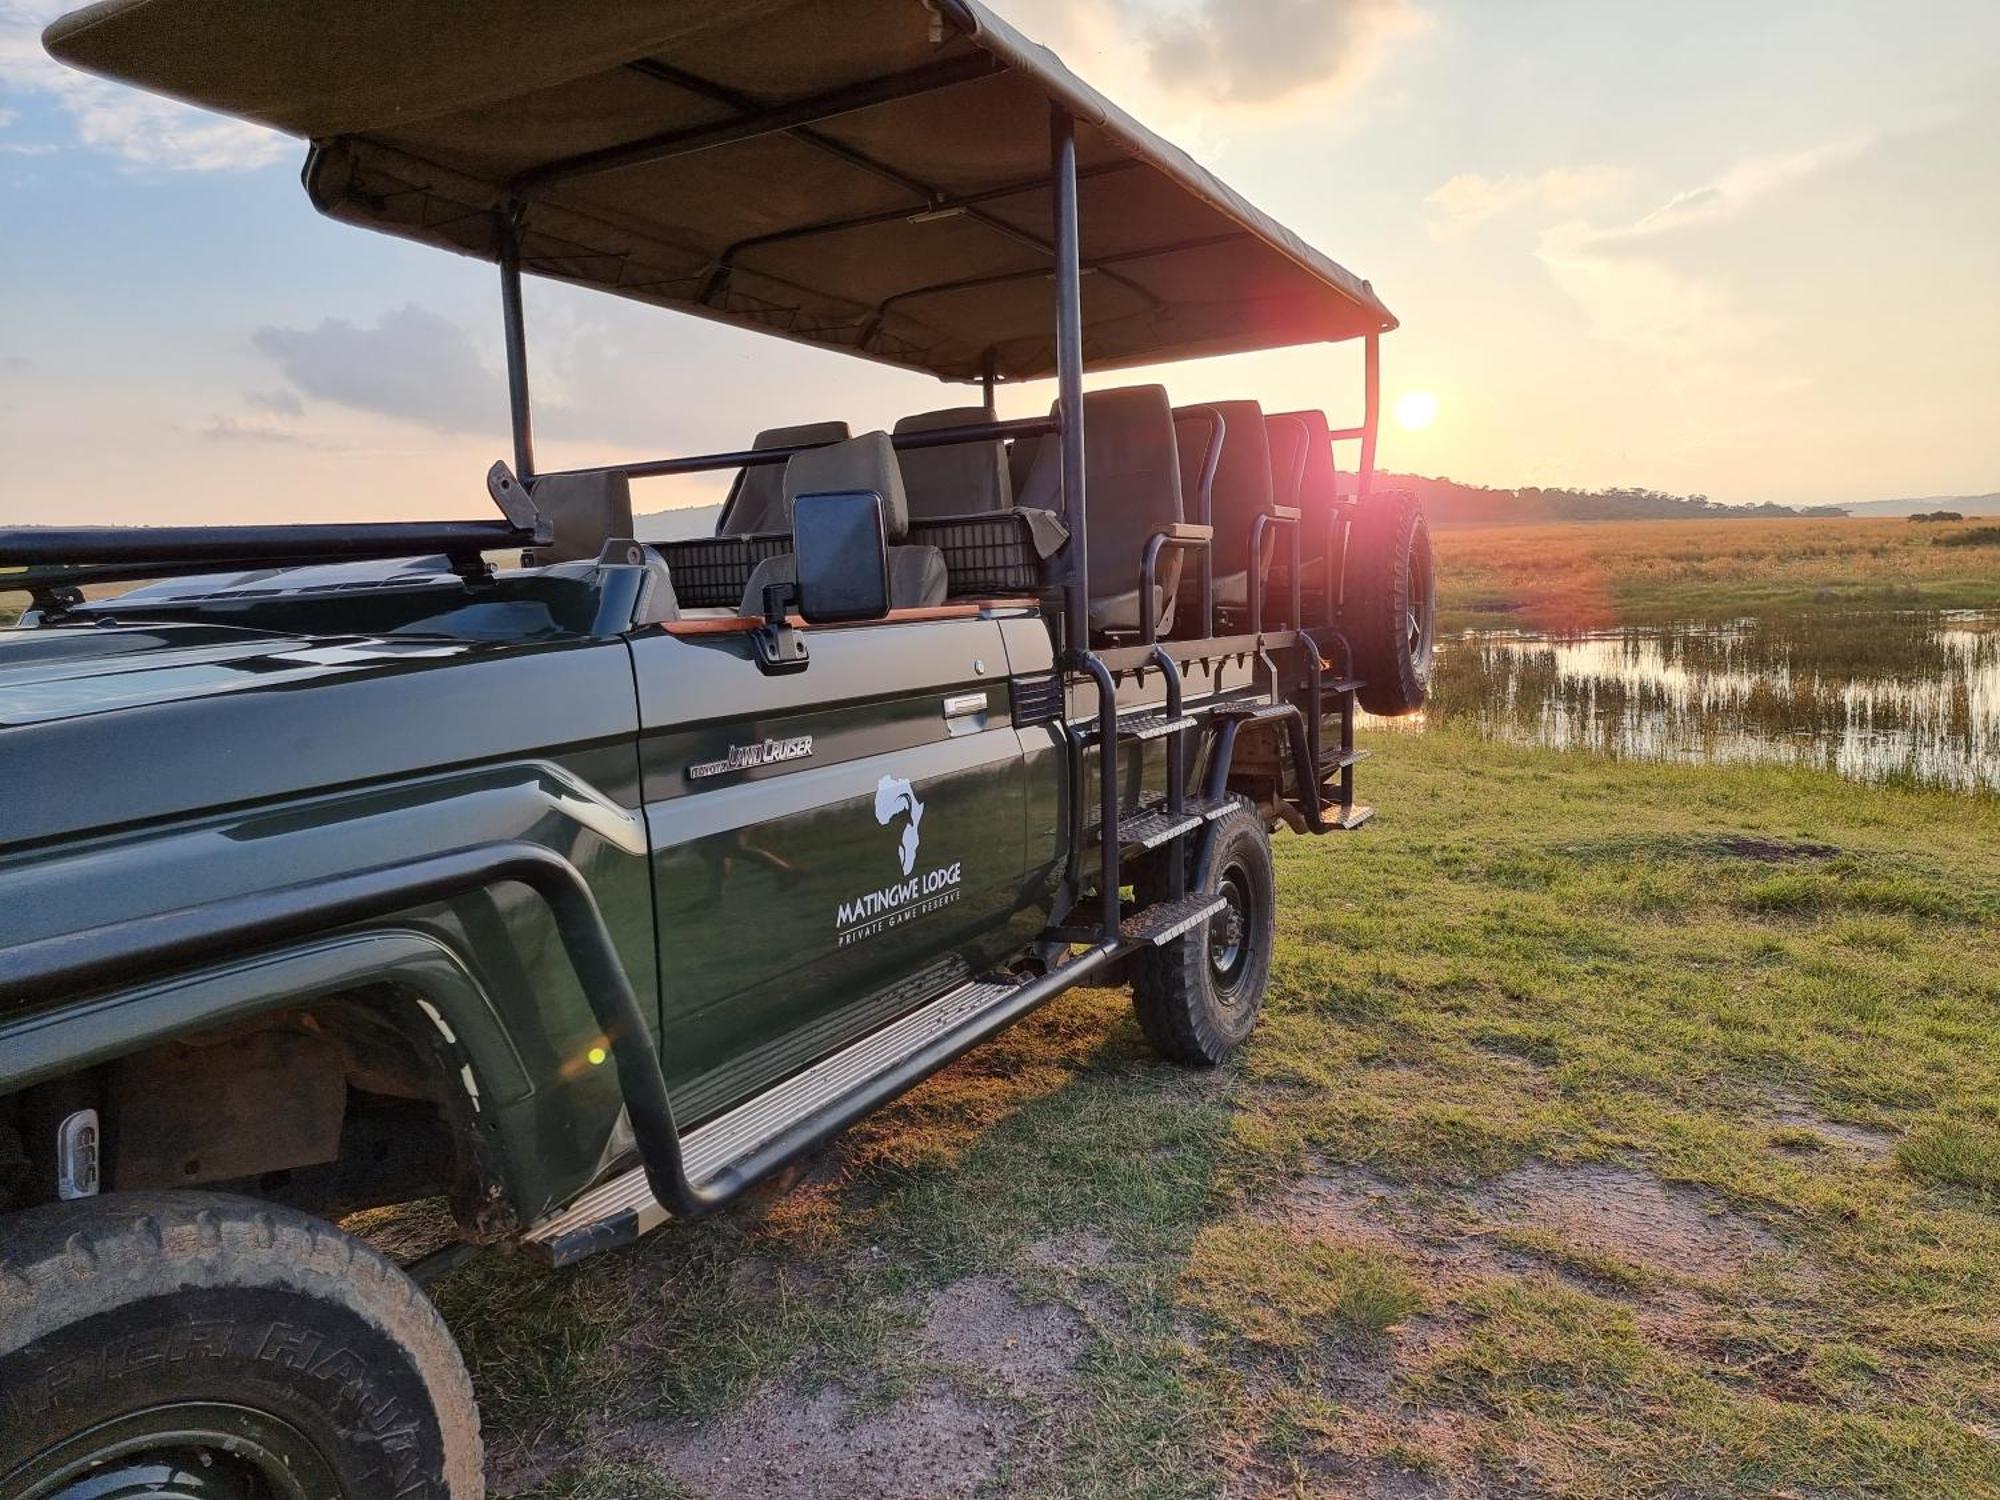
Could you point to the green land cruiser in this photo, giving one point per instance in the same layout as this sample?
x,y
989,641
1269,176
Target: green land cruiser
x,y
345,865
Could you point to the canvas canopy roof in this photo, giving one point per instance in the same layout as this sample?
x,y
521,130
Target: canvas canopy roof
x,y
867,175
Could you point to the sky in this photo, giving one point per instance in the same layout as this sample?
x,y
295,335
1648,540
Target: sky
x,y
1746,248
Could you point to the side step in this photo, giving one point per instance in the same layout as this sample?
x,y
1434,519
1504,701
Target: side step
x,y
624,1208
1150,827
1167,920
1345,818
1256,713
1148,726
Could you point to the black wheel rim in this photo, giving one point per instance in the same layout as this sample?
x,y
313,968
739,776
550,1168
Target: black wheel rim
x,y
1417,623
185,1451
1231,932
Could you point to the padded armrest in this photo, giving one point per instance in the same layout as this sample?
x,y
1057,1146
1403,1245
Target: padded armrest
x,y
1187,531
1284,513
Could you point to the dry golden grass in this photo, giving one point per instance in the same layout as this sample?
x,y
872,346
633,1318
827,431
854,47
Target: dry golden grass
x,y
1581,576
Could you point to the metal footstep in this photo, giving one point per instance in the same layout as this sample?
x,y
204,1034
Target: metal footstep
x,y
624,1208
1151,827
1167,920
1152,726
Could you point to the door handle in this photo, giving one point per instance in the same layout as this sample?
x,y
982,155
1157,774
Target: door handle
x,y
960,704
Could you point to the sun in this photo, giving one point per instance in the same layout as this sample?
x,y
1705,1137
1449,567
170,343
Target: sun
x,y
1416,410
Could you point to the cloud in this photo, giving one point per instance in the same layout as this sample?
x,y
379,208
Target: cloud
x,y
1261,51
1468,200
136,127
1631,292
412,364
1742,185
278,401
1641,303
229,430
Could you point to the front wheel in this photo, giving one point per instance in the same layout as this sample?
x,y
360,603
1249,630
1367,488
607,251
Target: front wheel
x,y
1199,995
194,1346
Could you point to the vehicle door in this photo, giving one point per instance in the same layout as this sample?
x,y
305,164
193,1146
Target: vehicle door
x,y
829,847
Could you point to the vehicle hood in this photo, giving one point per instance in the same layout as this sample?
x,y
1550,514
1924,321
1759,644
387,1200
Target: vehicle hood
x,y
123,724
62,673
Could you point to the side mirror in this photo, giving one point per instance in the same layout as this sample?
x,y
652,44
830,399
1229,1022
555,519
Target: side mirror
x,y
841,553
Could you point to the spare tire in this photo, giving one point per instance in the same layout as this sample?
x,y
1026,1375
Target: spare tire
x,y
1389,606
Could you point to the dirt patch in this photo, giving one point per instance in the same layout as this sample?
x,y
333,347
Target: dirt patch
x,y
1793,1117
1628,1215
1355,1207
1075,1250
761,1278
978,1325
933,1445
1773,851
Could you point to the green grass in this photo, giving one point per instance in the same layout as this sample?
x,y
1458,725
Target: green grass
x,y
1528,956
1649,572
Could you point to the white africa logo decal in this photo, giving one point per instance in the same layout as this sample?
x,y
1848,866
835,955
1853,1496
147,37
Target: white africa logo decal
x,y
918,892
892,796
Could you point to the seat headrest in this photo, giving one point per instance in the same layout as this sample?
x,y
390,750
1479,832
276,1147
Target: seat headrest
x,y
867,462
757,499
964,479
587,509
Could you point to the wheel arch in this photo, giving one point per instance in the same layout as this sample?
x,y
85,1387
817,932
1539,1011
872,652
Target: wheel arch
x,y
411,978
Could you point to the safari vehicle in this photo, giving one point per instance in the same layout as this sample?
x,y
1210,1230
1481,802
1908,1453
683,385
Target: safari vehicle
x,y
340,866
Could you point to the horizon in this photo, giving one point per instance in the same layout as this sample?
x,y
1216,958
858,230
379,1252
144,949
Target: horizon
x,y
1636,250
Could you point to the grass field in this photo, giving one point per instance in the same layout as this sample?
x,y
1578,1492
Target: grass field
x,y
1587,575
1613,1131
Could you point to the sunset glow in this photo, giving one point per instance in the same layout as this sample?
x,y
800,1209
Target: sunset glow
x,y
1416,410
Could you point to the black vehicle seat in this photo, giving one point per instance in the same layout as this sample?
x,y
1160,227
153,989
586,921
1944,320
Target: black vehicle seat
x,y
1132,488
1288,439
1319,491
961,480
756,500
588,510
1242,492
917,578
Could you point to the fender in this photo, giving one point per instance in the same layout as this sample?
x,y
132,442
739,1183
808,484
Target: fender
x,y
487,959
455,1005
48,1043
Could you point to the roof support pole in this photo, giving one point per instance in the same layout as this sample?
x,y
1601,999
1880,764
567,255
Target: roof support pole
x,y
1069,378
1371,412
989,376
515,323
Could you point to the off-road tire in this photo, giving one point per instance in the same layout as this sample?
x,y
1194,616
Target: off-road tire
x,y
226,1336
1389,605
1193,1009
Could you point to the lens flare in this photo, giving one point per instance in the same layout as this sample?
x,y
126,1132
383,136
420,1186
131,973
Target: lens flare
x,y
1416,410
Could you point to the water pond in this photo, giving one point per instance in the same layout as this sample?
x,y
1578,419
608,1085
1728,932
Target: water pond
x,y
1878,695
